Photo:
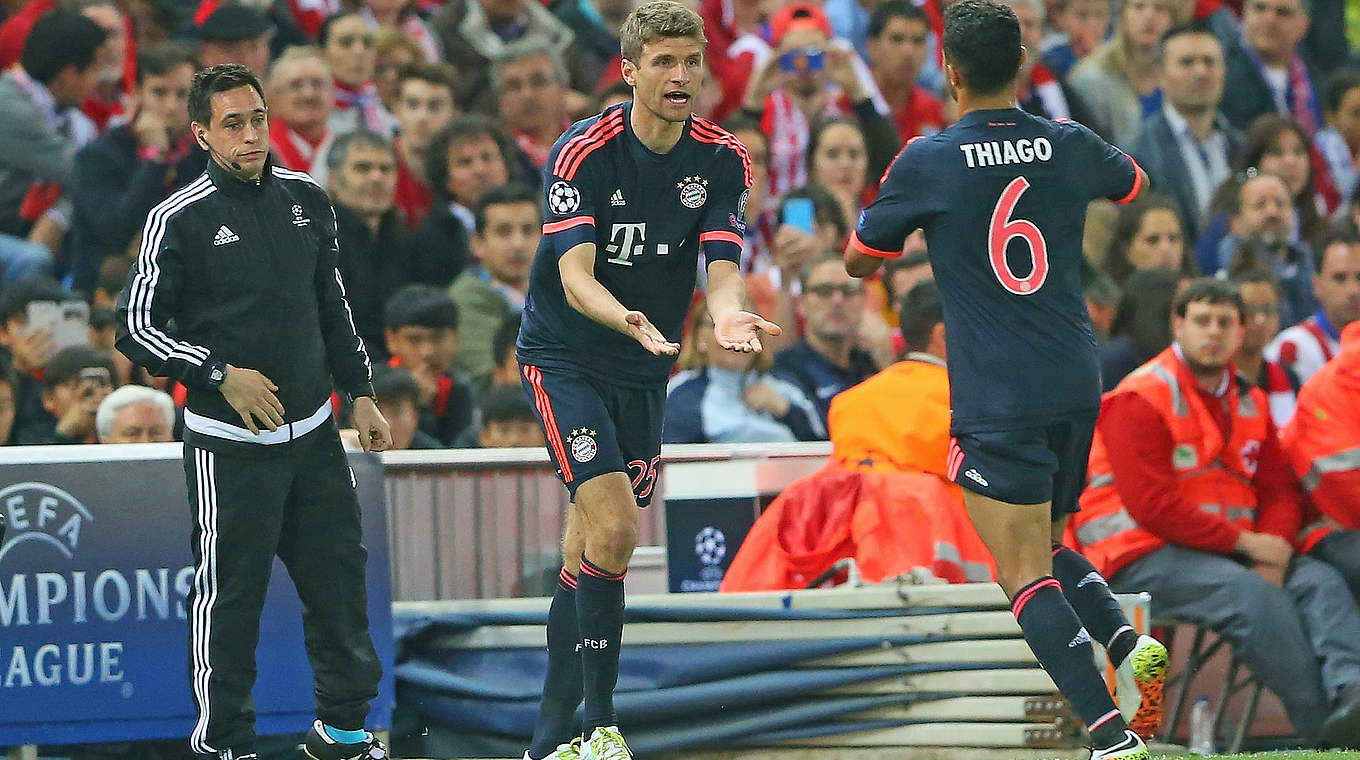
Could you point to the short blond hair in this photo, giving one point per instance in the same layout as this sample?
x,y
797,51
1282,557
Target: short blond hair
x,y
658,19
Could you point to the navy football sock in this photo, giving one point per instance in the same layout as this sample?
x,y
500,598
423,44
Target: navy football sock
x,y
599,612
562,686
1090,596
1063,648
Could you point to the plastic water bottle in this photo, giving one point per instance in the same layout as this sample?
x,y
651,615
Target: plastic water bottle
x,y
1201,728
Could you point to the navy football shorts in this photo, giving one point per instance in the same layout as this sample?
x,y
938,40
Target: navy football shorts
x,y
1026,466
593,427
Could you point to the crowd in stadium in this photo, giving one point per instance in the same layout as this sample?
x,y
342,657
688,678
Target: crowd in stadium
x,y
429,122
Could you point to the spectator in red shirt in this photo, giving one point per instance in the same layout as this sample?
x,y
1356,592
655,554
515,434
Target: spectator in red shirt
x,y
898,44
425,105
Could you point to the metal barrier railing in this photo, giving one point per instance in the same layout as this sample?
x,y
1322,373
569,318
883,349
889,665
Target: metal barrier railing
x,y
485,523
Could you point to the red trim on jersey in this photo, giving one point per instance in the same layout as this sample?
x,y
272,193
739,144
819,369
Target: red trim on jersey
x,y
566,224
720,236
1324,340
544,406
884,178
867,250
1137,182
706,131
577,148
568,150
586,150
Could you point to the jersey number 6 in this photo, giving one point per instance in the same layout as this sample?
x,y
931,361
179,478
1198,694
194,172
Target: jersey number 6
x,y
999,234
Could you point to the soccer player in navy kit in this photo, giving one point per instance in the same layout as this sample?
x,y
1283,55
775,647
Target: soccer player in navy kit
x,y
1002,198
632,197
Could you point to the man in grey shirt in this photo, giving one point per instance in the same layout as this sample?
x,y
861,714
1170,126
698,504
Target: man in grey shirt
x,y
42,129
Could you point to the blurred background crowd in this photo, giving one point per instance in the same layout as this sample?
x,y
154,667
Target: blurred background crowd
x,y
428,122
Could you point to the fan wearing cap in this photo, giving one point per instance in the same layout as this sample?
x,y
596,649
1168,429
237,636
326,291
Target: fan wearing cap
x,y
812,75
236,33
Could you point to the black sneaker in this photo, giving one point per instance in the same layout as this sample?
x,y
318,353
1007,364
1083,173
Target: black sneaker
x,y
1342,727
319,746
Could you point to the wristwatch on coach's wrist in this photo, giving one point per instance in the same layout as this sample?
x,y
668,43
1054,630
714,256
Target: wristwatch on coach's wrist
x,y
217,372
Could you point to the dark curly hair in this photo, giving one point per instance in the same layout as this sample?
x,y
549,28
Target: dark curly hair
x,y
982,41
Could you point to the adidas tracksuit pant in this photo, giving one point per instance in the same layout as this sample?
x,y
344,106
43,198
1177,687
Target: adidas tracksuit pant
x,y
295,500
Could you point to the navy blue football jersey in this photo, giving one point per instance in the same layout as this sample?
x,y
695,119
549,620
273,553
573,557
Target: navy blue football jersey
x,y
1002,198
648,215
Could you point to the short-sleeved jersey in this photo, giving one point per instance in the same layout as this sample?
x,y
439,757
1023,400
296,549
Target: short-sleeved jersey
x,y
1002,198
648,215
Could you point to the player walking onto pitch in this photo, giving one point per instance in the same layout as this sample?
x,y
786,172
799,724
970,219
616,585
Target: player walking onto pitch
x,y
631,196
1002,198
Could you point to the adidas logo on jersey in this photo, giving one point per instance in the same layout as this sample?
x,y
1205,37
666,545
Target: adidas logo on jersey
x,y
224,236
976,477
1082,637
617,199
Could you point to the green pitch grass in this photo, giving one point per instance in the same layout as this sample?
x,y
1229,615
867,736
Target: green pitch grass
x,y
1298,755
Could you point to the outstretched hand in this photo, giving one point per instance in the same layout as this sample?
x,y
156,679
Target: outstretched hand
x,y
740,331
644,332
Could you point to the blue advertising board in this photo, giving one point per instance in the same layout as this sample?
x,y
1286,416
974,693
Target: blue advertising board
x,y
94,570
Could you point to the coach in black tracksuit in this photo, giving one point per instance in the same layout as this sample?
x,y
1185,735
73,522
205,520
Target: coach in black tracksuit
x,y
243,260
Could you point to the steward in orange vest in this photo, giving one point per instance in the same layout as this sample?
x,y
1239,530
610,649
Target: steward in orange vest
x,y
1215,496
1190,498
1323,444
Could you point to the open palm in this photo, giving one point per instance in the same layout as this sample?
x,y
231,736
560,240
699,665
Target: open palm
x,y
740,331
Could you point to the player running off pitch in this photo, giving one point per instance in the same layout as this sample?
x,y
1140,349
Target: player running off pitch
x,y
1002,198
632,196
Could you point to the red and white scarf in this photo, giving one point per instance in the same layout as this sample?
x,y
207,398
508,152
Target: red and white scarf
x,y
293,150
365,98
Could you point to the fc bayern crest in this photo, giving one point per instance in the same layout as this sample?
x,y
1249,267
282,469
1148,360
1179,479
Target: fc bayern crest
x,y
693,191
583,445
563,197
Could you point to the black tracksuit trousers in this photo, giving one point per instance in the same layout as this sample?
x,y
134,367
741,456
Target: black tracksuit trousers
x,y
296,500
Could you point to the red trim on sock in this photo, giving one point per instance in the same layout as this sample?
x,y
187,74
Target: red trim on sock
x,y
1028,592
567,580
1102,720
595,571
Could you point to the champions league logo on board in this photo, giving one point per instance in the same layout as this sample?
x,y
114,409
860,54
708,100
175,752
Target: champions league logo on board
x,y
693,191
43,513
710,545
60,607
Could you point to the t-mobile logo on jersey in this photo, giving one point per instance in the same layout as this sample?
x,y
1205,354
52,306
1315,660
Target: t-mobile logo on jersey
x,y
627,239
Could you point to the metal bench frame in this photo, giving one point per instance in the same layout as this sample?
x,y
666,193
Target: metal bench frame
x,y
1239,678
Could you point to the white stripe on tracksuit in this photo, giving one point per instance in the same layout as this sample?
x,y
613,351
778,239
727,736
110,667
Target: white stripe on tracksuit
x,y
148,269
205,594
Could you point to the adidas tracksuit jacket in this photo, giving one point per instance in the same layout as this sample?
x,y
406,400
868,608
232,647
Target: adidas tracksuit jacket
x,y
245,273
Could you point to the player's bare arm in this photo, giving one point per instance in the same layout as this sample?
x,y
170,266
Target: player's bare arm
x,y
860,264
735,328
585,294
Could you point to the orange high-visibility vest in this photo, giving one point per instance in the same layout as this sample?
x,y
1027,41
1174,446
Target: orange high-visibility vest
x,y
896,420
1323,443
1214,474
